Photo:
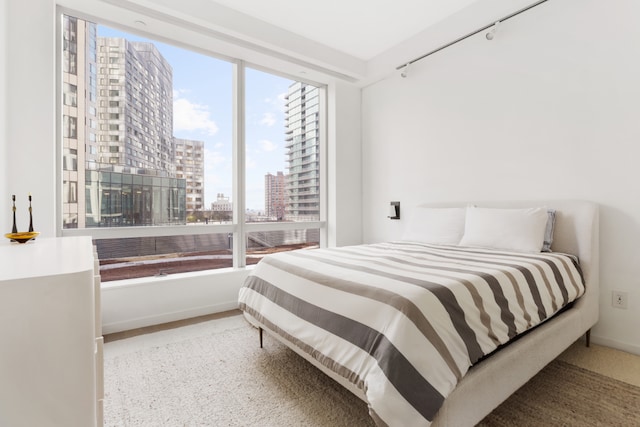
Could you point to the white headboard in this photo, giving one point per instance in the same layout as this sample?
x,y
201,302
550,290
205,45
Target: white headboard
x,y
576,232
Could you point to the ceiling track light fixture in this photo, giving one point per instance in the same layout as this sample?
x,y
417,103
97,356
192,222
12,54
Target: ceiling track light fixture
x,y
491,34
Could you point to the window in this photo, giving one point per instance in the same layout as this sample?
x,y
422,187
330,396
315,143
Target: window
x,y
70,95
155,183
277,169
70,127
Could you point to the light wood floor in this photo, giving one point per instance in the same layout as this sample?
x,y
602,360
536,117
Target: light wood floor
x,y
607,361
171,325
603,360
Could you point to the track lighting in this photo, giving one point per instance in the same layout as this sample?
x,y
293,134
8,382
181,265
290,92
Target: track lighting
x,y
492,33
489,36
405,71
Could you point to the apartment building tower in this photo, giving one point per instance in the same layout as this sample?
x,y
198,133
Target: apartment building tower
x,y
303,155
189,162
79,101
135,112
117,132
275,195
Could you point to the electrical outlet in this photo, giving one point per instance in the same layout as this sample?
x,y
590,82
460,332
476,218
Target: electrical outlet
x,y
619,299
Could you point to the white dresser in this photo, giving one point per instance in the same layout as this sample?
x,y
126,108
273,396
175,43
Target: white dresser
x,y
51,370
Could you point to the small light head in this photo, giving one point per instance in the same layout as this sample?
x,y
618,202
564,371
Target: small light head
x,y
405,71
492,33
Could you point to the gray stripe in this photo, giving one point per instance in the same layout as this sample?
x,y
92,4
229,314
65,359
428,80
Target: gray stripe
x,y
473,290
500,299
485,319
579,289
400,303
442,293
506,315
559,280
326,361
411,385
542,257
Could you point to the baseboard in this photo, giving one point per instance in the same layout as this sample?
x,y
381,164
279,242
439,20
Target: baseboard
x,y
607,342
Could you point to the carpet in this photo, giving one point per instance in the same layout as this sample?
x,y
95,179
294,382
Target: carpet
x,y
214,374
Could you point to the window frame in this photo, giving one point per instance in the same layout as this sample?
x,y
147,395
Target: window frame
x,y
238,226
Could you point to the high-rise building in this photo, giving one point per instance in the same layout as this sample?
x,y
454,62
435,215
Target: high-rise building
x,y
275,195
79,98
118,150
135,112
189,161
303,156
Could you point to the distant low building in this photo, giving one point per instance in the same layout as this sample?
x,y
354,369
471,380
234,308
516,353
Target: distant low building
x,y
222,208
117,199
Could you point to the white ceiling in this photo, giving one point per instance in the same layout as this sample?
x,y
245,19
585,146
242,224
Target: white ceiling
x,y
360,28
360,41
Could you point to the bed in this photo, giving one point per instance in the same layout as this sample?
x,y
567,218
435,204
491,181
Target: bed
x,y
439,332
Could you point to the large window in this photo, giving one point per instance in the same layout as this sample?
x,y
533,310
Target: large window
x,y
282,148
158,166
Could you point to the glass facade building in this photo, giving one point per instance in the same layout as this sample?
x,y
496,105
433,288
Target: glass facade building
x,y
116,199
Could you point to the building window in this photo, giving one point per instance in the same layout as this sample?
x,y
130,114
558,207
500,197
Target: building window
x,y
70,95
70,129
187,124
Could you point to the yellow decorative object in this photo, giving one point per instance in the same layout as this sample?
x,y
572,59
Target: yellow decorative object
x,y
22,237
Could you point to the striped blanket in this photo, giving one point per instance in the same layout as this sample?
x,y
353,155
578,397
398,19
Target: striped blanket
x,y
404,321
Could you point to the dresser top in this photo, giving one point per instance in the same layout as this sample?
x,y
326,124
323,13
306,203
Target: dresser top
x,y
45,256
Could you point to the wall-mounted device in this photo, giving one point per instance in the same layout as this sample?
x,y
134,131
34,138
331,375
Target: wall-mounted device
x,y
394,210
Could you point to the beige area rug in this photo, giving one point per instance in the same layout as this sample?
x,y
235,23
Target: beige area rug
x,y
214,374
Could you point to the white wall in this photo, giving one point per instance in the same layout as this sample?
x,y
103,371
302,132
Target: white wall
x,y
344,153
30,101
137,303
549,109
5,204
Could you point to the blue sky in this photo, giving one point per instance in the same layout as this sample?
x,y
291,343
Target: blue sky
x,y
202,110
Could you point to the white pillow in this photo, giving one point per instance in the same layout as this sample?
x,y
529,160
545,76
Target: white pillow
x,y
518,230
440,226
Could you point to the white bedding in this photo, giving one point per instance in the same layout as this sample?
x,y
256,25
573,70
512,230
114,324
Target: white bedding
x,y
404,321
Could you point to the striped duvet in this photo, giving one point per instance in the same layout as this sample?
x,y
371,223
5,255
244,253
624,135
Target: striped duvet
x,y
404,321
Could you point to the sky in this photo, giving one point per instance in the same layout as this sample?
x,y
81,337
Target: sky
x,y
202,111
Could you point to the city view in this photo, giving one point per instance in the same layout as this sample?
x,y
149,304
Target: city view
x,y
148,141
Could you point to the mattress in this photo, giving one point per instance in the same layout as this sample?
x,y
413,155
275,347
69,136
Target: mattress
x,y
404,321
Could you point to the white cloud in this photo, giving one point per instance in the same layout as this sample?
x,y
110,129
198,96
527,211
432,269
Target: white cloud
x,y
279,102
188,116
268,119
267,145
213,159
